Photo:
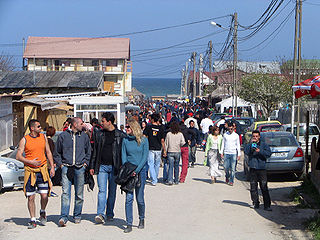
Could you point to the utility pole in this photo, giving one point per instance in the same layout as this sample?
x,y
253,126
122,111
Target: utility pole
x,y
23,46
296,65
200,73
186,82
194,76
210,61
182,89
235,63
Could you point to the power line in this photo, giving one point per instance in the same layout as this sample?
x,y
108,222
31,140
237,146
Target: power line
x,y
118,35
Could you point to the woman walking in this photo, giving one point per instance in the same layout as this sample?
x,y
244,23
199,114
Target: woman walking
x,y
173,143
135,150
213,148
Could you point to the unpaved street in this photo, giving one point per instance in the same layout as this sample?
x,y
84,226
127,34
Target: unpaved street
x,y
193,210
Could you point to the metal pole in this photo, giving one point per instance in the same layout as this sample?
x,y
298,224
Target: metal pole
x,y
235,63
194,77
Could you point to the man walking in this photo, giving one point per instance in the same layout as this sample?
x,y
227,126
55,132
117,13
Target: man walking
x,y
155,134
258,152
36,176
231,153
195,140
106,162
73,151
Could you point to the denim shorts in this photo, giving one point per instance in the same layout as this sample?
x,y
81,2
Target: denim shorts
x,y
40,186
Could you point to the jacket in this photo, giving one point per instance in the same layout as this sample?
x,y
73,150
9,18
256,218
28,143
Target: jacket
x,y
125,178
257,160
95,160
72,149
195,138
187,134
210,142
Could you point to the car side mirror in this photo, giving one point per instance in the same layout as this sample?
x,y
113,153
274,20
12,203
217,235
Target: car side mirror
x,y
12,147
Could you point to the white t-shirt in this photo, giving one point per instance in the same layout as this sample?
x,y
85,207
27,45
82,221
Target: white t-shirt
x,y
205,124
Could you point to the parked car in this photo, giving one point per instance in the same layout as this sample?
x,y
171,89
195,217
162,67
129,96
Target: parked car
x,y
313,132
287,155
254,126
11,173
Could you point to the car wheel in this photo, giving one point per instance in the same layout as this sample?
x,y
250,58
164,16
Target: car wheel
x,y
1,184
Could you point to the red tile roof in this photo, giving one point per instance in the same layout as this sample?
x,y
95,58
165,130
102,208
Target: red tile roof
x,y
79,48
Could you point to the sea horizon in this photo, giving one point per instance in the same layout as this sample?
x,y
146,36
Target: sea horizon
x,y
157,86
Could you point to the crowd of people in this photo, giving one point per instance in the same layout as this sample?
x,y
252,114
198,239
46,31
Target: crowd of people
x,y
131,156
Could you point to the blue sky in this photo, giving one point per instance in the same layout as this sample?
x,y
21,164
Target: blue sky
x,y
94,18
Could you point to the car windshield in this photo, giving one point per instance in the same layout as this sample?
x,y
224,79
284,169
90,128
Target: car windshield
x,y
279,140
271,128
313,130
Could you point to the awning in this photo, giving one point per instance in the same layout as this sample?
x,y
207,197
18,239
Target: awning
x,y
307,87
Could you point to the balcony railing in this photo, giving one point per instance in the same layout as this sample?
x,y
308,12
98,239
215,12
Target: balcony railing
x,y
76,68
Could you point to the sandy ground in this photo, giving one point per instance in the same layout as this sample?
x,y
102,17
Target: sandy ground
x,y
195,209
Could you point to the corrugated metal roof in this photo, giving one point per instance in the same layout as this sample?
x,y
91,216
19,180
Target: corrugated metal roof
x,y
26,79
77,48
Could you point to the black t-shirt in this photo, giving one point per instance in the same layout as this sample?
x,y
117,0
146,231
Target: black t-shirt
x,y
154,133
106,155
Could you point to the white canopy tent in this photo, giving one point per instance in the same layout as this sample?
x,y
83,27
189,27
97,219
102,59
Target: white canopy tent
x,y
227,103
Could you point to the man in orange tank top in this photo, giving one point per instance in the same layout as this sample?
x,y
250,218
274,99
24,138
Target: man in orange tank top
x,y
37,151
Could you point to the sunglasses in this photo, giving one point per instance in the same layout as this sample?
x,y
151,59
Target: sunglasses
x,y
38,126
127,126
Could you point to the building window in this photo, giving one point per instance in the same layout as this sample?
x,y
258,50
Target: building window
x,y
65,63
95,62
87,62
112,62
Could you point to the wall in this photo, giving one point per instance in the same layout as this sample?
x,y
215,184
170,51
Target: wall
x,y
315,174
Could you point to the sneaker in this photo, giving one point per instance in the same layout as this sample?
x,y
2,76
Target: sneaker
x,y
109,218
170,183
32,225
255,206
176,183
62,222
53,194
230,184
128,229
43,218
99,219
227,180
267,209
77,220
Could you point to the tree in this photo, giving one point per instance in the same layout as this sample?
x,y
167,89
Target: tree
x,y
7,63
267,90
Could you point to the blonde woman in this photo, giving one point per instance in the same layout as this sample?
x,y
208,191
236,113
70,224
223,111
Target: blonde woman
x,y
135,149
213,148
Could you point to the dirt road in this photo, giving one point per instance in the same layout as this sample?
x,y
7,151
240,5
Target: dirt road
x,y
195,209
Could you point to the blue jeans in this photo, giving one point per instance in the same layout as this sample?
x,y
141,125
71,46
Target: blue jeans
x,y
173,159
139,197
154,160
66,192
230,166
106,174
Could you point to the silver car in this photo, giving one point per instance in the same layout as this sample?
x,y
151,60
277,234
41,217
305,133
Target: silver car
x,y
11,173
287,155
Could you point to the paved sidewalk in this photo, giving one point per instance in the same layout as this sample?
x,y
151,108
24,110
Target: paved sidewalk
x,y
195,209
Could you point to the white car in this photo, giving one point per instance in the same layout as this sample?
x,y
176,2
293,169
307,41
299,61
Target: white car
x,y
11,173
313,132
